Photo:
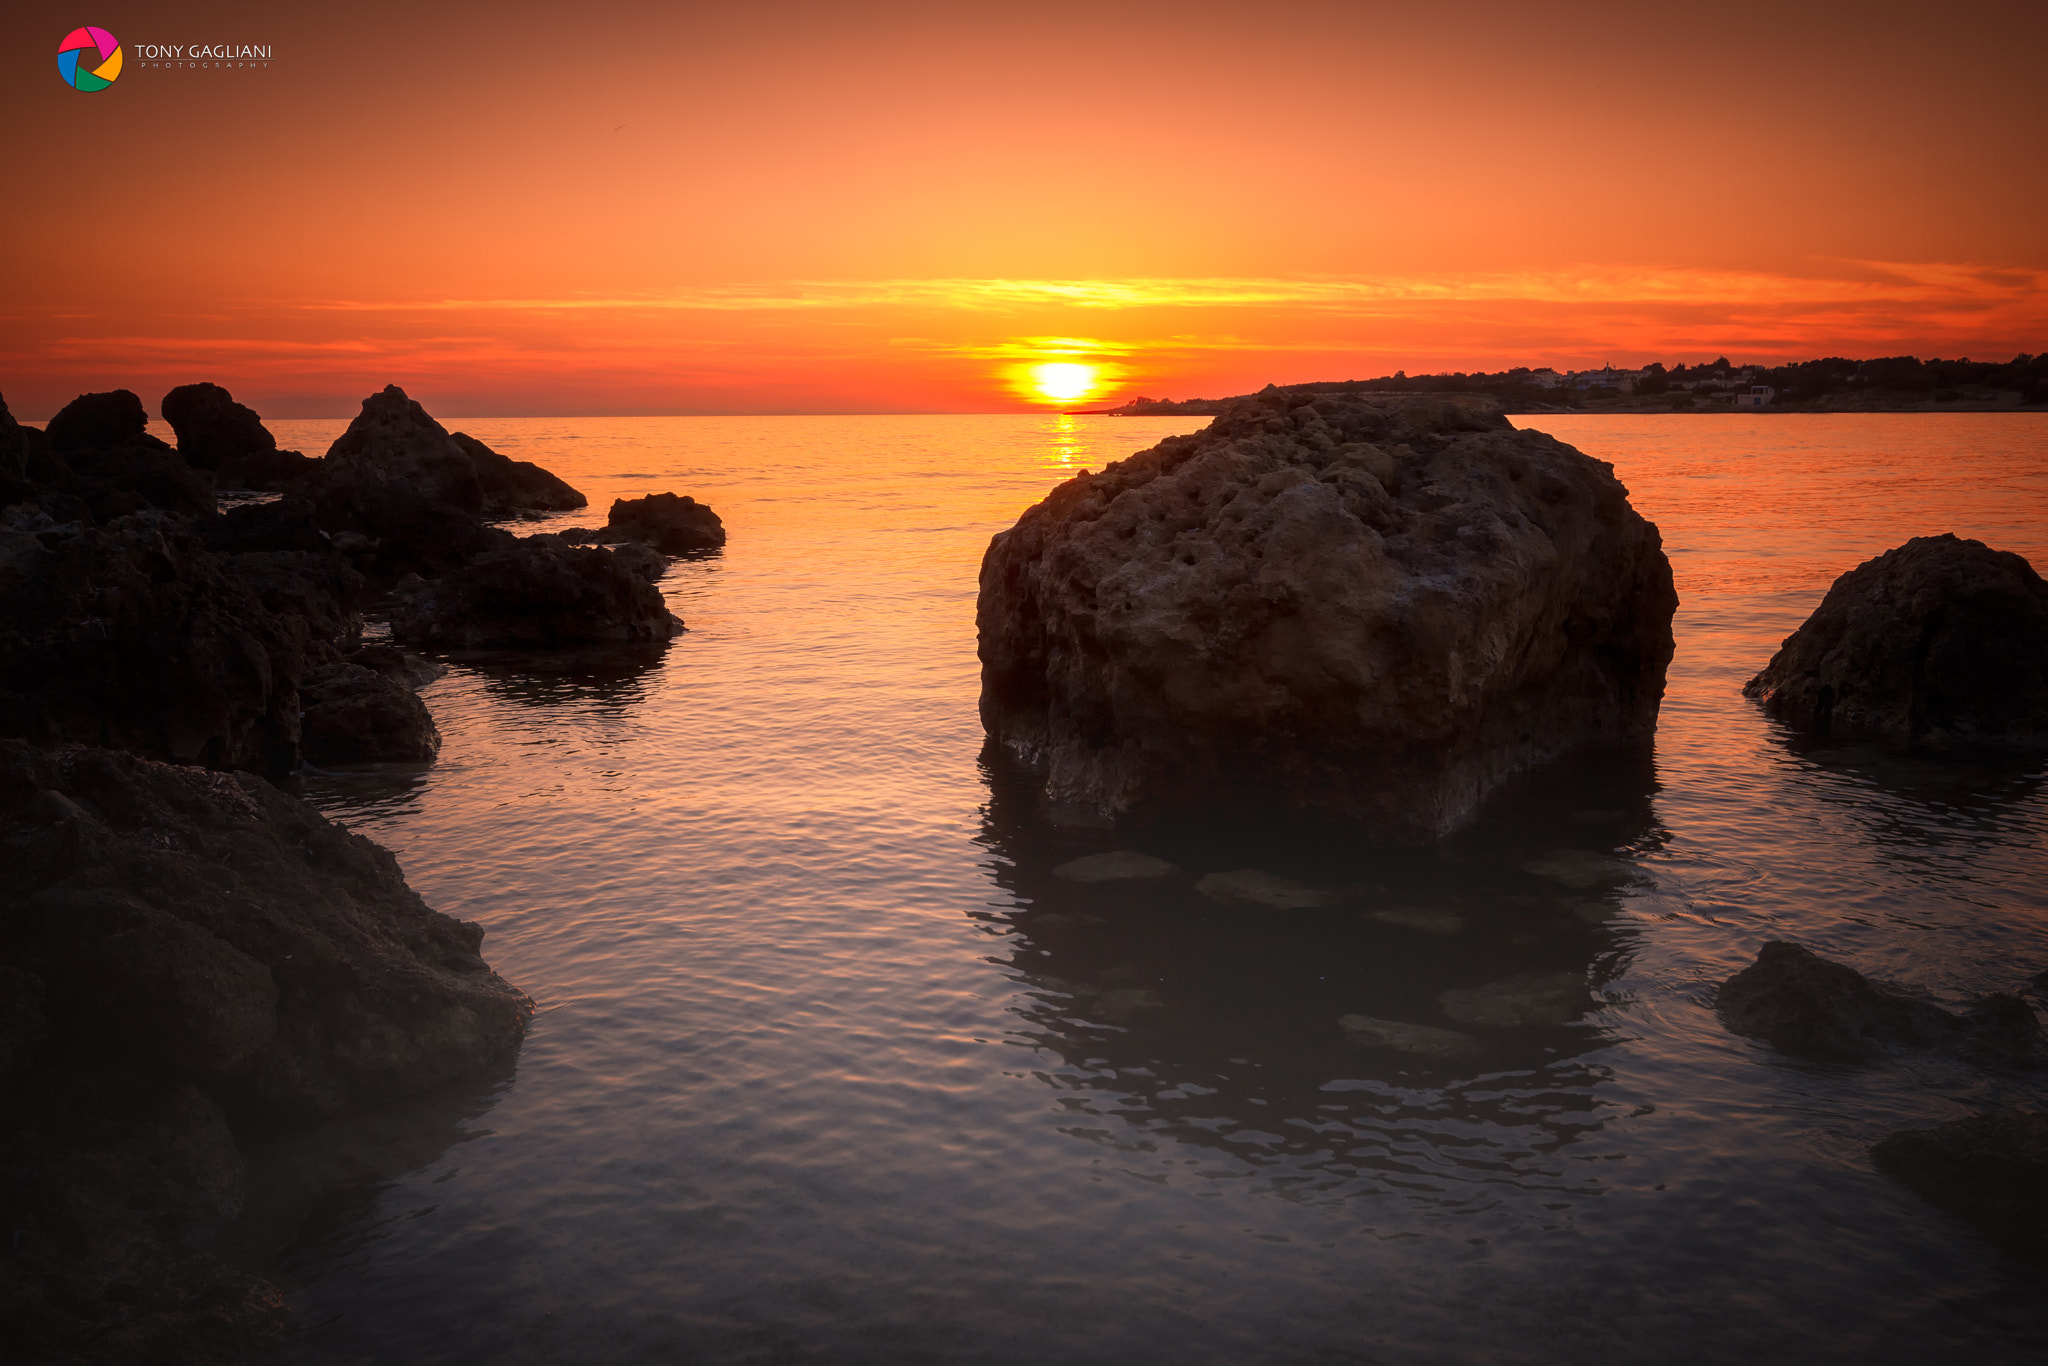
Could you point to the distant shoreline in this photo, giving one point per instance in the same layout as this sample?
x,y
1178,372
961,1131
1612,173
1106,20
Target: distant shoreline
x,y
1213,407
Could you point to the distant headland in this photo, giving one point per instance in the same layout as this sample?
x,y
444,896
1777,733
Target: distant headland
x,y
1833,385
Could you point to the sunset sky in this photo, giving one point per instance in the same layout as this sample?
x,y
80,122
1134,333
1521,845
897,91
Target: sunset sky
x,y
811,207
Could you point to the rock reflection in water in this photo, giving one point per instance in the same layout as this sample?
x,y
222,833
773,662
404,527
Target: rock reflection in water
x,y
1469,979
613,678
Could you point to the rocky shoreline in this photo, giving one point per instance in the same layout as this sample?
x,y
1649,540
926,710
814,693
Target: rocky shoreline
x,y
187,951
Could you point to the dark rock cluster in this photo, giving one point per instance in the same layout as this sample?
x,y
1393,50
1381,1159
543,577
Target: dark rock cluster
x,y
1367,611
184,947
1940,639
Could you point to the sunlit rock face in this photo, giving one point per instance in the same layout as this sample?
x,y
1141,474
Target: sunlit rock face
x,y
1938,639
1369,611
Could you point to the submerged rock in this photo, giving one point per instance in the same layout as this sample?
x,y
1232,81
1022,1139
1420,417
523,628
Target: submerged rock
x,y
1939,639
1372,611
1268,891
1989,1170
206,926
1539,998
1424,1041
1805,1005
671,524
537,592
1119,865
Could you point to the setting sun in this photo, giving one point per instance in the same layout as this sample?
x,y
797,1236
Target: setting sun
x,y
1063,381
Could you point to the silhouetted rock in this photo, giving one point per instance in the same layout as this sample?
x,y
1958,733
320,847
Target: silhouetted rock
x,y
516,485
216,433
535,592
287,524
1371,612
27,461
97,422
206,926
1938,639
642,560
133,636
1805,1005
393,441
1989,1170
400,666
673,525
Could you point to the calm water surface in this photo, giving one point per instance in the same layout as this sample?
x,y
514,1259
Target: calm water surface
x,y
828,1067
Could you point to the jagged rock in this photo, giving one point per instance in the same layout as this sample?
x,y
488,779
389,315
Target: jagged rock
x,y
414,671
1268,891
134,636
536,592
97,422
142,476
1805,1005
641,560
673,525
356,715
516,485
216,433
1367,611
1423,1041
287,524
1939,639
206,926
1989,1170
313,597
393,441
1537,998
1119,865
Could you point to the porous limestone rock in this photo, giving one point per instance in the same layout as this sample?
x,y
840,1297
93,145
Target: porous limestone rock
x,y
643,560
671,524
1364,610
534,593
357,715
1940,639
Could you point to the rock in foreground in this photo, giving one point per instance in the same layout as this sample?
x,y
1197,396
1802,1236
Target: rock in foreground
x,y
1807,1006
1990,1170
1941,639
1361,610
535,593
207,926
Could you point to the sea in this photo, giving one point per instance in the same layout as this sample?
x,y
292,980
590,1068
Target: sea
x,y
827,1066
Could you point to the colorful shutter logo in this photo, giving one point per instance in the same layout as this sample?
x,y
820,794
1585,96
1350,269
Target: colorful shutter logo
x,y
89,59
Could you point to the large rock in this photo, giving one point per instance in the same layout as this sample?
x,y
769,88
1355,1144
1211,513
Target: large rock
x,y
133,636
206,926
1361,610
216,433
1990,1170
1805,1005
511,486
1939,639
393,441
94,422
671,524
534,593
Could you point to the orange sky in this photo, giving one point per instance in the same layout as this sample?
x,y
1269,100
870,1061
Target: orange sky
x,y
843,207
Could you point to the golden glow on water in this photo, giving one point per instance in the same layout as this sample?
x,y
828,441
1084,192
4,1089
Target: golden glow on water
x,y
830,1066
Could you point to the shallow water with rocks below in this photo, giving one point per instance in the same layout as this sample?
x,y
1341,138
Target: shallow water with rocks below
x,y
830,1066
